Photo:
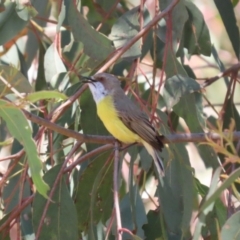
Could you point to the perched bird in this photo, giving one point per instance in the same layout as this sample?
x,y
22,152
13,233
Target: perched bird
x,y
122,117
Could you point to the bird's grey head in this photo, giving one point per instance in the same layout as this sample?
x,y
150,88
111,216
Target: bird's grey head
x,y
109,81
103,84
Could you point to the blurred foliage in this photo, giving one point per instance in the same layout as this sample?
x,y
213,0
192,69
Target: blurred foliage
x,y
53,187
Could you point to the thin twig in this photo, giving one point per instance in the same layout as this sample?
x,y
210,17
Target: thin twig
x,y
227,72
115,192
109,227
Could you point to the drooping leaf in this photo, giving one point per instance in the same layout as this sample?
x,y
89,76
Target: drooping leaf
x,y
152,229
41,83
190,109
177,87
96,45
127,214
125,28
173,66
226,12
9,20
61,219
177,185
179,16
102,197
196,36
21,130
93,191
53,65
206,208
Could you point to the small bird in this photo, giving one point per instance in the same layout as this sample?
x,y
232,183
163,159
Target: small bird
x,y
122,117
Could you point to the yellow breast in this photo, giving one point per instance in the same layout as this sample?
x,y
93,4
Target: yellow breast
x,y
107,113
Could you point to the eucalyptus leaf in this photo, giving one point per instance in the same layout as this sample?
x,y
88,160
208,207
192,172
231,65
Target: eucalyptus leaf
x,y
21,130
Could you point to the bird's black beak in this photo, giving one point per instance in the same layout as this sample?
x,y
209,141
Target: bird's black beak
x,y
87,79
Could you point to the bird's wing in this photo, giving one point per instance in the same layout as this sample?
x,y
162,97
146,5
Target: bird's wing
x,y
137,121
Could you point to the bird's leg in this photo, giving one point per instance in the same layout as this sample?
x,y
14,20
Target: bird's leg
x,y
117,145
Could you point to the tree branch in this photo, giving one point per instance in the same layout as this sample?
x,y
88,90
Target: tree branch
x,y
173,138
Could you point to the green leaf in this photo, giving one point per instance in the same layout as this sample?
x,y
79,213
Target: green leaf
x,y
179,17
181,94
25,12
127,213
208,205
9,19
173,67
190,109
15,79
96,45
226,12
61,219
19,127
36,96
176,191
152,229
177,87
196,36
53,65
214,195
41,83
145,159
96,179
231,228
101,194
126,27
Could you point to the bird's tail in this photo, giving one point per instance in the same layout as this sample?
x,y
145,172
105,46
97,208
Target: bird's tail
x,y
156,158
